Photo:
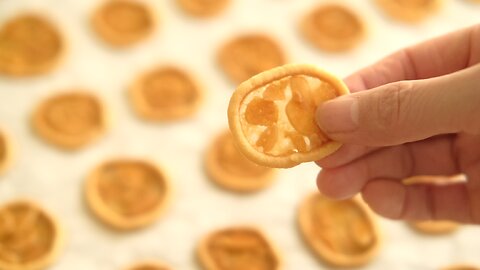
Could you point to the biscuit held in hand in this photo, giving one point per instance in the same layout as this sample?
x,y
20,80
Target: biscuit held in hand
x,y
272,115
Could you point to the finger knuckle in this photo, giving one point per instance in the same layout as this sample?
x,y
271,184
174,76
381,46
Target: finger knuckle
x,y
390,104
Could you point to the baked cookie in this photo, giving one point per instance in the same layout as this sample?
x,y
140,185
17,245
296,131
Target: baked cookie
x,y
342,233
434,179
272,115
150,265
435,227
30,239
5,152
29,45
461,267
333,28
70,120
411,11
238,248
122,23
126,193
203,8
165,94
228,168
248,55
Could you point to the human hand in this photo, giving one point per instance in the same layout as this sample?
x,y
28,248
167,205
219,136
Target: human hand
x,y
416,112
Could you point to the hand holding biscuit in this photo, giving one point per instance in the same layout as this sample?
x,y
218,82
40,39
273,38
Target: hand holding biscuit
x,y
415,112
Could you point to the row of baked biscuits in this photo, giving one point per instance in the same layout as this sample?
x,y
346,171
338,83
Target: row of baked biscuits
x,y
75,118
30,44
128,194
341,233
32,239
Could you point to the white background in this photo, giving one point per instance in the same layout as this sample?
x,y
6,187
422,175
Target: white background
x,y
55,178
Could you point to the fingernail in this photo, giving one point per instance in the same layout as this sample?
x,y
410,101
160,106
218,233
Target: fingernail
x,y
338,115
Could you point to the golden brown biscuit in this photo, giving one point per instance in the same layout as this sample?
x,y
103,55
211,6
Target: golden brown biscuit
x,y
333,28
461,267
434,179
123,22
70,120
248,55
342,233
30,239
411,11
126,193
203,8
5,152
435,227
150,265
238,248
272,115
228,168
164,94
29,45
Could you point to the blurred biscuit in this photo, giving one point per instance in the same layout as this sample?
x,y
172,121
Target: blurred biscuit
x,y
123,23
461,267
435,227
248,55
333,28
410,11
238,248
165,94
203,8
228,168
342,233
29,45
5,152
30,238
148,265
70,120
127,194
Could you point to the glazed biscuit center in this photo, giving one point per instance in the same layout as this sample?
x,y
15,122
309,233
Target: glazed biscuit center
x,y
123,16
206,4
342,227
72,115
278,119
3,149
203,7
148,268
240,250
28,45
249,55
254,55
336,22
25,234
129,188
414,3
169,89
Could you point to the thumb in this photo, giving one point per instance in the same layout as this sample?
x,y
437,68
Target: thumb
x,y
405,111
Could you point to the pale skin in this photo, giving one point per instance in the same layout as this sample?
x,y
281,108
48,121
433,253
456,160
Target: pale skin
x,y
416,112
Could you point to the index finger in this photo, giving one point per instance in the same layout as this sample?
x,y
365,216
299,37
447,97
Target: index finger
x,y
432,58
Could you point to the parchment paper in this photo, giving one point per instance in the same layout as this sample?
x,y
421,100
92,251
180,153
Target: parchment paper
x,y
55,178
